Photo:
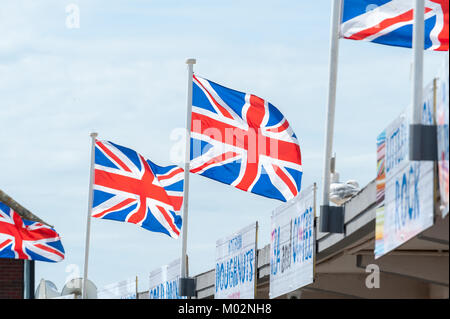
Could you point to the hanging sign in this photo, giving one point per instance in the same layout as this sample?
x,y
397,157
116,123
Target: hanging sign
x,y
164,281
292,244
236,264
405,189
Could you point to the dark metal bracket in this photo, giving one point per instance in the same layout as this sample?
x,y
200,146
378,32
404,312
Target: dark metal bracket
x,y
187,287
423,142
332,219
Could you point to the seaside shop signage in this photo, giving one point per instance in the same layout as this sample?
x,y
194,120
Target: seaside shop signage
x,y
292,243
236,264
125,289
164,281
405,189
442,114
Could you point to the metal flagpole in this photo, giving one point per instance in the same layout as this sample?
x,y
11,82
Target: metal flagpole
x,y
418,47
88,223
26,279
422,138
186,285
137,292
330,216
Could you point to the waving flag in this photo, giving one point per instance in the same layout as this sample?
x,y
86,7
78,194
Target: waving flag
x,y
241,140
391,22
130,188
24,239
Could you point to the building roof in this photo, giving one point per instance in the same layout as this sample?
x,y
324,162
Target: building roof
x,y
417,269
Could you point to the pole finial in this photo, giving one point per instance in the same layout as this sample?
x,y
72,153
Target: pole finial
x,y
94,134
191,61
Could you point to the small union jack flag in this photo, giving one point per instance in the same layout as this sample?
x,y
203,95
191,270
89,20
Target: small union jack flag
x,y
241,140
391,22
130,188
24,239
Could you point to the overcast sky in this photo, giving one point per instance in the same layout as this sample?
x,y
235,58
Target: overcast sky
x,y
122,73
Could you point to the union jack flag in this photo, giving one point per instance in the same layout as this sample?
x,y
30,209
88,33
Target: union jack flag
x,y
241,140
130,188
391,22
24,239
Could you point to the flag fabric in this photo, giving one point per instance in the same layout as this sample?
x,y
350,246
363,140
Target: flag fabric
x,y
390,22
241,140
131,188
24,239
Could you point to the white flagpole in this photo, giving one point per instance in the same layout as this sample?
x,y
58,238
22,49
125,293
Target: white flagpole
x,y
88,223
190,63
418,47
331,103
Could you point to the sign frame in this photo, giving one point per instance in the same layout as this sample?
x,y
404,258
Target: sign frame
x,y
238,247
304,220
442,122
405,190
120,290
168,281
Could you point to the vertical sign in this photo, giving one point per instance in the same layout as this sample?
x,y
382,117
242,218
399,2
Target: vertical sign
x,y
164,281
405,189
125,289
442,114
236,264
292,244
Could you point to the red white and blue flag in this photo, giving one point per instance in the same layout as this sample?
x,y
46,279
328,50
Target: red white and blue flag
x,y
24,239
132,189
242,140
390,22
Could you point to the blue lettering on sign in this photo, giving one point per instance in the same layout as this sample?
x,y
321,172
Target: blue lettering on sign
x,y
275,256
235,244
299,248
396,147
407,201
286,252
235,271
427,113
302,236
165,290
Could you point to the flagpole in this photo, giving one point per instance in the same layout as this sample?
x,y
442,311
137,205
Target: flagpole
x,y
329,216
420,135
184,281
418,47
88,223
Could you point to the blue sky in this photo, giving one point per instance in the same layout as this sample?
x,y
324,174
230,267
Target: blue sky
x,y
122,74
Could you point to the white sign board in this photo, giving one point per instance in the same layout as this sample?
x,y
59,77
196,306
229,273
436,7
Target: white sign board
x,y
292,243
125,289
164,281
405,189
236,264
442,114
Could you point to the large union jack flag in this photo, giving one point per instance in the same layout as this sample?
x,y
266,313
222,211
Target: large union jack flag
x,y
390,22
130,188
24,239
241,140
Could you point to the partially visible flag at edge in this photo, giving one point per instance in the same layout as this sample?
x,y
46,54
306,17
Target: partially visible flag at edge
x,y
24,239
391,22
